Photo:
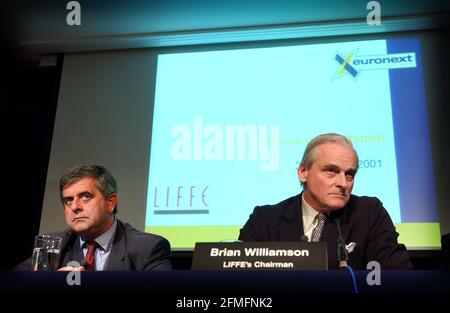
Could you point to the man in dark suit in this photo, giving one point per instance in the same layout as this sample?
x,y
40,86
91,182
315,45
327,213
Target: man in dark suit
x,y
95,236
445,252
327,173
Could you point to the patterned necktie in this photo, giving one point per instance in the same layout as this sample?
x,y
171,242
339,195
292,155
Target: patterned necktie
x,y
90,254
317,231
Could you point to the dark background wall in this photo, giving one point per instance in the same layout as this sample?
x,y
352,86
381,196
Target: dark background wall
x,y
29,95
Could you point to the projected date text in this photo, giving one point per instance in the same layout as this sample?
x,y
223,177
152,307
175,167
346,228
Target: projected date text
x,y
370,163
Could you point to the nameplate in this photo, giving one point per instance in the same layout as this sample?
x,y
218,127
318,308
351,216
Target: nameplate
x,y
260,256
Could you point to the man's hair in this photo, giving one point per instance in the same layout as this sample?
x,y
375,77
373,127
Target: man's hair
x,y
103,178
310,154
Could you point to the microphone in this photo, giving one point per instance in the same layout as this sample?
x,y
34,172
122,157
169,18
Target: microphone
x,y
342,254
84,263
304,238
67,239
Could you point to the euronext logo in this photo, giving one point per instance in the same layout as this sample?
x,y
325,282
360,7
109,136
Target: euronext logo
x,y
352,64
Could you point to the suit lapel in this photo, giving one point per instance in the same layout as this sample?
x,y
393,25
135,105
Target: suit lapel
x,y
73,252
116,259
291,225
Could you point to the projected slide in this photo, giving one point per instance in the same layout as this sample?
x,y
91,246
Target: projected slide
x,y
230,127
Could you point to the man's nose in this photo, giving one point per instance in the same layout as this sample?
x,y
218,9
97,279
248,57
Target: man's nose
x,y
341,180
76,206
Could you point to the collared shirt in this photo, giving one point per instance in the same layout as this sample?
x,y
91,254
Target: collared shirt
x,y
104,242
309,218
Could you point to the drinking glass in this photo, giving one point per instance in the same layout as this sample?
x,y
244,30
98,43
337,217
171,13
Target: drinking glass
x,y
46,253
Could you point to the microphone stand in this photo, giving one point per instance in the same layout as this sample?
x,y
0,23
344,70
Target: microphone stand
x,y
68,238
342,254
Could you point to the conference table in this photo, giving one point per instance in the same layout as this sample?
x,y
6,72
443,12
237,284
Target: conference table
x,y
235,288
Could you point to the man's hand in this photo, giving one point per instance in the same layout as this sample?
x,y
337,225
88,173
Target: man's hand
x,y
71,268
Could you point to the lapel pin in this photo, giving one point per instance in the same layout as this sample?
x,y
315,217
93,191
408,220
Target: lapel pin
x,y
350,247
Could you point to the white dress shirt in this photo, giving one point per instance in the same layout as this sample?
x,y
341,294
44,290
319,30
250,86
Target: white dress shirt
x,y
104,244
309,218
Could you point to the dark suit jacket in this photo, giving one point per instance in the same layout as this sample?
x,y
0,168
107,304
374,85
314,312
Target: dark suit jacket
x,y
131,250
363,221
445,252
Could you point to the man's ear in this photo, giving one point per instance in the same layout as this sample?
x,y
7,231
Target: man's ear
x,y
112,201
302,173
